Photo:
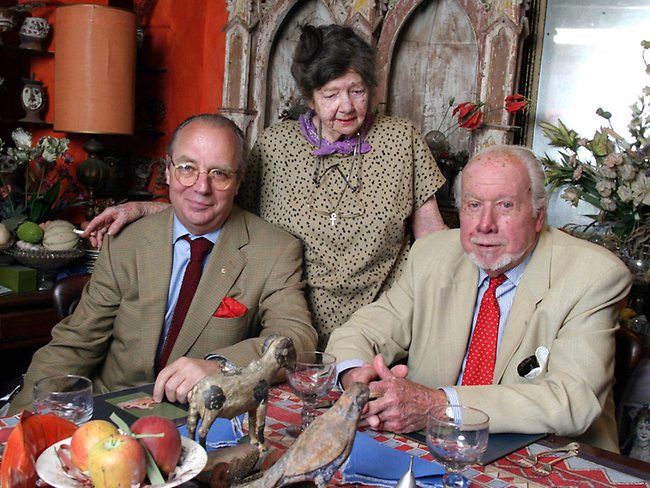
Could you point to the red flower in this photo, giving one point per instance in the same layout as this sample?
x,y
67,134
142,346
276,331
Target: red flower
x,y
469,115
516,102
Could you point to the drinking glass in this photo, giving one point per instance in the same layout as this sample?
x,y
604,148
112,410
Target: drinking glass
x,y
457,436
311,377
67,396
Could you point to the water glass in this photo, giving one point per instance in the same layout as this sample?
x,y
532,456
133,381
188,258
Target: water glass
x,y
67,396
457,436
311,377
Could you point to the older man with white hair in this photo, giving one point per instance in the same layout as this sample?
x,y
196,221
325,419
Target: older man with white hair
x,y
505,315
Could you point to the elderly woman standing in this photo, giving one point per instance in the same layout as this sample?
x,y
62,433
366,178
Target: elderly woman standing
x,y
352,185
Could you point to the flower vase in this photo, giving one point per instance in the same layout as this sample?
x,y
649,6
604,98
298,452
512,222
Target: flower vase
x,y
438,144
33,32
440,150
638,264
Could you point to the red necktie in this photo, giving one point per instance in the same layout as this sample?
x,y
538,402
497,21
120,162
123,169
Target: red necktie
x,y
199,247
479,367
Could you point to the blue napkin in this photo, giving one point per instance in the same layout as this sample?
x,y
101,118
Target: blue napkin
x,y
222,433
373,463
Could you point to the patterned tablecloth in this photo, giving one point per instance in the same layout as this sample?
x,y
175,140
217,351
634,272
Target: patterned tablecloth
x,y
583,471
580,472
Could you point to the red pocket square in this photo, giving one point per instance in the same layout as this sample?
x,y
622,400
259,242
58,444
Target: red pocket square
x,y
230,308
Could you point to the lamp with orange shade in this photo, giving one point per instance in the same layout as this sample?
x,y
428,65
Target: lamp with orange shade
x,y
94,81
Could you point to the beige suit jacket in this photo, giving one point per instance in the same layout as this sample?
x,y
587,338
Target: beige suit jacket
x,y
113,335
567,301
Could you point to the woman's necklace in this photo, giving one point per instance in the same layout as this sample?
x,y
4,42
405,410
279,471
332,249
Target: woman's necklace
x,y
333,213
352,180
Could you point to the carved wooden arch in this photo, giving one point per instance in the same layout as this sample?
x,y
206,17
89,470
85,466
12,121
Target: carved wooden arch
x,y
268,27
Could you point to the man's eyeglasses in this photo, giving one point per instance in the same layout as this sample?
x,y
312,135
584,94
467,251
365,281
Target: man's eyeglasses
x,y
187,174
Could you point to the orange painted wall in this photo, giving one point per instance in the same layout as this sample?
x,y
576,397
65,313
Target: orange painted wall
x,y
190,44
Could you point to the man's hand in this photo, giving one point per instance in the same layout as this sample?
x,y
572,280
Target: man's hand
x,y
401,404
113,219
363,374
177,379
371,372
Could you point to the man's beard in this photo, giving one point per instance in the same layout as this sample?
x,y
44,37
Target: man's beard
x,y
503,262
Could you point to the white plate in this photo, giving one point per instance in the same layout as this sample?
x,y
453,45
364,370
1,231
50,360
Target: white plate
x,y
193,460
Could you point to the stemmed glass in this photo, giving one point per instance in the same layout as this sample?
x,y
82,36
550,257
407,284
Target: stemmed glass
x,y
457,436
311,377
68,396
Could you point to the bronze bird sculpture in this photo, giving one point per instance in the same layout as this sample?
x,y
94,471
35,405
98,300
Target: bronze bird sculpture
x,y
323,447
234,391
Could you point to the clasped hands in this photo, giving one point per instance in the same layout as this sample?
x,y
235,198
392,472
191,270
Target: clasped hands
x,y
398,404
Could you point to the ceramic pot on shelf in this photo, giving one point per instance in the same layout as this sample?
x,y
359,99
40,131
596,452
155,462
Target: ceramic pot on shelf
x,y
7,21
33,32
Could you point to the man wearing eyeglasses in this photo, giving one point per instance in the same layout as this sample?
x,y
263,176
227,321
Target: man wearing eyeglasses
x,y
126,330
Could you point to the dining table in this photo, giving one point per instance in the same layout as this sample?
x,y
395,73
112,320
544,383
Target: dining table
x,y
591,467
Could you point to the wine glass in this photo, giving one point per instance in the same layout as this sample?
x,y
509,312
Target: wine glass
x,y
68,396
457,436
311,377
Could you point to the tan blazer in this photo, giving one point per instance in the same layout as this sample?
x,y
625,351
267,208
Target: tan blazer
x,y
113,335
567,301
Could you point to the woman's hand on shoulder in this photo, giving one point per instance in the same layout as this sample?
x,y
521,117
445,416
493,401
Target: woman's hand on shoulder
x,y
113,219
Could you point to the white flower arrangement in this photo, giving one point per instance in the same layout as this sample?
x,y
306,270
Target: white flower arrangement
x,y
31,179
609,172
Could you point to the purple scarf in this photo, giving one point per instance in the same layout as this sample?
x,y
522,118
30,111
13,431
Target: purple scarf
x,y
324,147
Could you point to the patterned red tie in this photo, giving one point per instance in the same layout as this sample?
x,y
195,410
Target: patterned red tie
x,y
199,247
479,367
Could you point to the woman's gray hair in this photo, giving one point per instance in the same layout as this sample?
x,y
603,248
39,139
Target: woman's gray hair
x,y
534,166
216,121
328,52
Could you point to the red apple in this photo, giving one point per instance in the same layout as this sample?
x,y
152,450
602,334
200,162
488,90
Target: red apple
x,y
85,437
165,450
117,461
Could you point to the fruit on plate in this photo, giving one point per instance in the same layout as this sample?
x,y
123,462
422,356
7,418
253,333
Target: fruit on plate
x,y
85,438
5,235
51,224
165,450
30,232
117,461
59,236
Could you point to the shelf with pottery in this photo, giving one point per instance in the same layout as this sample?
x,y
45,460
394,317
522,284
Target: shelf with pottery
x,y
44,125
20,92
21,51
